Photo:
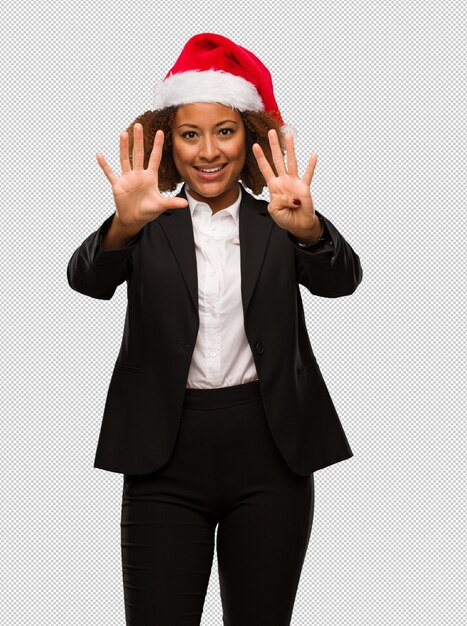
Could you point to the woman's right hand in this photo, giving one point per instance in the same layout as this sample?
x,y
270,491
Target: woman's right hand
x,y
136,192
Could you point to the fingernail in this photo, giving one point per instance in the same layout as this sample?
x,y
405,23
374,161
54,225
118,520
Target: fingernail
x,y
296,201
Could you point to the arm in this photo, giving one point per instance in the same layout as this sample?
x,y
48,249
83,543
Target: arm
x,y
95,269
103,260
329,268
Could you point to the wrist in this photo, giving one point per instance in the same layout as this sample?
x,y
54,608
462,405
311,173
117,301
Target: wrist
x,y
312,236
118,236
124,230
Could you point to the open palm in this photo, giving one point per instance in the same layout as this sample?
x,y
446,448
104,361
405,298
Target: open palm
x,y
136,192
287,186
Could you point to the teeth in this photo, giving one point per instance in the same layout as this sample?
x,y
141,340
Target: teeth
x,y
216,169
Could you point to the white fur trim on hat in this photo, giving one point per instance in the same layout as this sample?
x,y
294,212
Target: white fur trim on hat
x,y
207,86
289,128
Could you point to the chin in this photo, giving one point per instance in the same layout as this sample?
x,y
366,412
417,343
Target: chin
x,y
209,191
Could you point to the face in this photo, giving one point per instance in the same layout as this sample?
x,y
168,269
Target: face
x,y
206,136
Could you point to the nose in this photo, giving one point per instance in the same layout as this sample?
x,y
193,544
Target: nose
x,y
209,150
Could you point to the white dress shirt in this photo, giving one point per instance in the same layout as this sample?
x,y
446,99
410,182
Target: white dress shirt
x,y
222,356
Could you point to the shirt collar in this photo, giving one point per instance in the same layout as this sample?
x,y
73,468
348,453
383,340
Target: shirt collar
x,y
232,209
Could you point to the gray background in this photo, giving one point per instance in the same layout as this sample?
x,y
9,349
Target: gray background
x,y
377,89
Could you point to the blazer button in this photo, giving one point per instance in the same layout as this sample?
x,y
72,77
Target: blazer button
x,y
259,347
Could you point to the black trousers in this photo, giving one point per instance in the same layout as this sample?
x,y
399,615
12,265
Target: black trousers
x,y
225,472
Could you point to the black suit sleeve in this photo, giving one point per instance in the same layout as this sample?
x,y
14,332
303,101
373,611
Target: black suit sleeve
x,y
330,268
95,272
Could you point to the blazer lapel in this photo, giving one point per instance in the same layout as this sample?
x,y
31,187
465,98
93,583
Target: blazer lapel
x,y
255,226
178,227
254,231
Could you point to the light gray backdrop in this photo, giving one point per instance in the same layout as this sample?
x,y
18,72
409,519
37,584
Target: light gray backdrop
x,y
378,90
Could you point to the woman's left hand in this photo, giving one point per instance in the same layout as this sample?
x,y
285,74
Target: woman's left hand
x,y
300,220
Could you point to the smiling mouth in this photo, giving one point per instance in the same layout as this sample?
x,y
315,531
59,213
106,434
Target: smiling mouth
x,y
210,170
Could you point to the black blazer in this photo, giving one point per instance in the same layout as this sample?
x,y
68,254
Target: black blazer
x,y
145,395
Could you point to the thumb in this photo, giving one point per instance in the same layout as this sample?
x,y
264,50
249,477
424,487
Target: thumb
x,y
175,203
282,202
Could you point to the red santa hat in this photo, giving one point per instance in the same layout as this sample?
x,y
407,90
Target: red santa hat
x,y
212,68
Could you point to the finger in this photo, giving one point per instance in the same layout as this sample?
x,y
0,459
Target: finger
x,y
156,152
263,164
124,154
277,155
106,168
310,169
138,147
172,202
291,160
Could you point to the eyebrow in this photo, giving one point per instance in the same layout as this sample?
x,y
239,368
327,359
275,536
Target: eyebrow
x,y
218,124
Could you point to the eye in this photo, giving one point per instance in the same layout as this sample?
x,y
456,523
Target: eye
x,y
225,132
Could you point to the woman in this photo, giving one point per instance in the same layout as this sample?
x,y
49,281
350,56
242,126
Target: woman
x,y
216,414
